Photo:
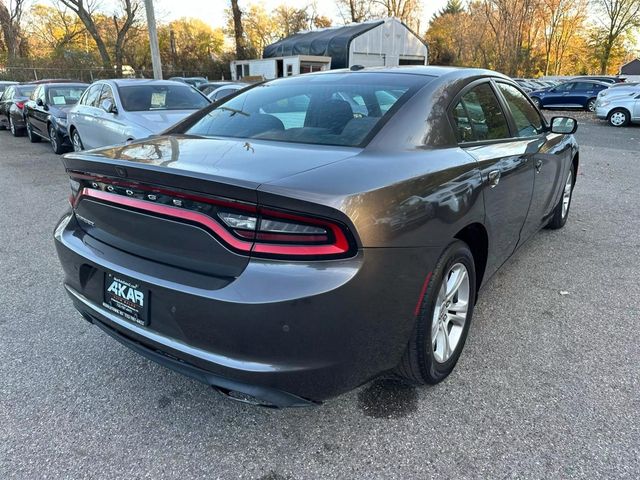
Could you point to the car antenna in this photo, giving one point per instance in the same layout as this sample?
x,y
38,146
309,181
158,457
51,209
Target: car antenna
x,y
355,68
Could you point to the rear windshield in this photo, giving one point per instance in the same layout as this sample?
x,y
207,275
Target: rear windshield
x,y
141,98
65,95
329,109
24,91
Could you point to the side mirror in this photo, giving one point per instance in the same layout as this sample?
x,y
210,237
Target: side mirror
x,y
109,107
39,102
564,125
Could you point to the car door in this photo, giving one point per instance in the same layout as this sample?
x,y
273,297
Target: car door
x,y
6,99
559,96
39,113
110,130
85,116
483,131
548,153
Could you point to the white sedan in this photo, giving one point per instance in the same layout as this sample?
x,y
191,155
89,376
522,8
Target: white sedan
x,y
114,112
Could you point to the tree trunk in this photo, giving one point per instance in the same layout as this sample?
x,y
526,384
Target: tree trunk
x,y
241,51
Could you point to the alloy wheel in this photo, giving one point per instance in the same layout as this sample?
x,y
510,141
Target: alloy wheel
x,y
566,194
53,138
591,105
618,119
450,313
77,143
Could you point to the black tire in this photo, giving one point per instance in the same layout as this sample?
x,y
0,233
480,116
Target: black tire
x,y
56,140
76,141
33,138
419,365
619,117
15,131
536,102
591,105
560,216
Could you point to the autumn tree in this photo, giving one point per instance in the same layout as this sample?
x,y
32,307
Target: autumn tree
x,y
614,19
10,22
189,44
55,31
123,19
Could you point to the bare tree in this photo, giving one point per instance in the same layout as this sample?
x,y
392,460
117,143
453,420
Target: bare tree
x,y
355,11
238,31
615,18
123,20
407,11
10,22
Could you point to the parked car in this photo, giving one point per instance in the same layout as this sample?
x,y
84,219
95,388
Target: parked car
x,y
272,261
45,114
119,111
525,85
600,78
209,87
12,107
573,94
225,91
4,84
193,81
620,109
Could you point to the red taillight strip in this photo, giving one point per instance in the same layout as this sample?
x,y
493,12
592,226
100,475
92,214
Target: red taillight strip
x,y
179,213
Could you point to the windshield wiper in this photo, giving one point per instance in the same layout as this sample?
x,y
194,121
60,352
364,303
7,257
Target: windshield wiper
x,y
233,111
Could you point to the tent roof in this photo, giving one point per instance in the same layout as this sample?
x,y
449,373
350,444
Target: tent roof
x,y
330,42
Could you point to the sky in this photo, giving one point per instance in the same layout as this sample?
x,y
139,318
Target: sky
x,y
212,11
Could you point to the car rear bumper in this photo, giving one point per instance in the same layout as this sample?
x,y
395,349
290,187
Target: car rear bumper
x,y
284,333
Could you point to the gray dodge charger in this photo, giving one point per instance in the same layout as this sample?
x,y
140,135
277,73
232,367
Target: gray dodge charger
x,y
303,236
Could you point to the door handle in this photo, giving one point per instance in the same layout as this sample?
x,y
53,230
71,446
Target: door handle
x,y
538,165
494,178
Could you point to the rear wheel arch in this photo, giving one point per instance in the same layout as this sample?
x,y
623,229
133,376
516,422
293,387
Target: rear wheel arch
x,y
477,239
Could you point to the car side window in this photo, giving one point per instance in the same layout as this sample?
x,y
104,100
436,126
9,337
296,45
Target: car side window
x,y
223,93
8,94
527,120
564,87
42,95
107,94
92,96
583,87
478,116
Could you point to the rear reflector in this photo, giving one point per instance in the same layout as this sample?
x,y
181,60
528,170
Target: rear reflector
x,y
242,227
20,105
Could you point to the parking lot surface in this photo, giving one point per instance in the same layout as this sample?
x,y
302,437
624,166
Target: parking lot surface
x,y
548,385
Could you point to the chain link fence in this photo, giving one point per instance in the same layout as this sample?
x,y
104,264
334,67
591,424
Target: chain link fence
x,y
89,74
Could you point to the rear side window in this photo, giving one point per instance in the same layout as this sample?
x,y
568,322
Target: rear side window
x,y
527,120
478,116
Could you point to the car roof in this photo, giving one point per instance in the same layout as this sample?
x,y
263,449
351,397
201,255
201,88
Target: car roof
x,y
66,84
124,82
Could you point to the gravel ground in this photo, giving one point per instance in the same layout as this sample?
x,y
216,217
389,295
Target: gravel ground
x,y
548,385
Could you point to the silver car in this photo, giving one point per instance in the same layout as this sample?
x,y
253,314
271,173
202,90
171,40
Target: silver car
x,y
619,108
118,111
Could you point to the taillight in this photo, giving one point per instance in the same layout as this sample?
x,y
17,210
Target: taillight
x,y
245,228
20,105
